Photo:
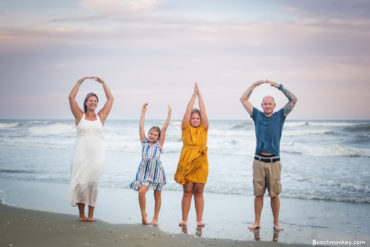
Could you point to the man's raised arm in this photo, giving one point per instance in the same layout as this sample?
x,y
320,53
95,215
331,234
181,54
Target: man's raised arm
x,y
291,97
245,97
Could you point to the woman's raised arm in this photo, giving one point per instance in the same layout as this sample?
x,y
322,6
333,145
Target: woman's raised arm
x,y
104,112
189,108
76,110
202,108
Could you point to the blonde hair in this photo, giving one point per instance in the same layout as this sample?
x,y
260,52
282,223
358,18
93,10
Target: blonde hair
x,y
155,128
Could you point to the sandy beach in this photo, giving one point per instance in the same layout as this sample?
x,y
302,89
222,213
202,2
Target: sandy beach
x,y
20,227
227,219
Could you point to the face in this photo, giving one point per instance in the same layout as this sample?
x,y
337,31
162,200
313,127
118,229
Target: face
x,y
91,103
153,136
268,105
195,120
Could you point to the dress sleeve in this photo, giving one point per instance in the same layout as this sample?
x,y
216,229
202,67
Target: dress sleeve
x,y
185,127
159,146
145,141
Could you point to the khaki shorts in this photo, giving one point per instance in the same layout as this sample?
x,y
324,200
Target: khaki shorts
x,y
266,175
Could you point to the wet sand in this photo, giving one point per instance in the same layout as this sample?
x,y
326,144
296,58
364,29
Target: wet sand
x,y
226,216
21,227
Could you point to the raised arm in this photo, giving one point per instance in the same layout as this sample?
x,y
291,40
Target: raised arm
x,y
245,96
164,127
202,108
76,110
189,107
291,97
141,124
104,112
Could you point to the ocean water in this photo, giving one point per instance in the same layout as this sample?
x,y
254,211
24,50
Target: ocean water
x,y
321,160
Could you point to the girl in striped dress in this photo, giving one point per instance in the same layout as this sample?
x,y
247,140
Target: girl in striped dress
x,y
150,172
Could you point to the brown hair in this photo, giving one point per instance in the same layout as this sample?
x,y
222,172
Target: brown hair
x,y
155,128
195,110
87,97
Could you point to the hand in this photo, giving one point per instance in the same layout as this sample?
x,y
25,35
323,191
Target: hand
x,y
196,89
169,110
273,84
98,79
144,107
84,78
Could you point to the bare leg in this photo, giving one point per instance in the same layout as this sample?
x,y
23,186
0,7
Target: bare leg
x,y
142,202
81,209
258,205
199,202
186,202
157,207
275,206
91,214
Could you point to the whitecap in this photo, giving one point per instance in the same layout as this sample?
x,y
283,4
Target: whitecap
x,y
52,129
8,125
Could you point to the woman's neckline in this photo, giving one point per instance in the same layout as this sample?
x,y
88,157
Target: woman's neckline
x,y
96,118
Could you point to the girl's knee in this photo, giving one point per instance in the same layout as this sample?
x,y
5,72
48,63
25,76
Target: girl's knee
x,y
188,194
198,194
157,194
142,192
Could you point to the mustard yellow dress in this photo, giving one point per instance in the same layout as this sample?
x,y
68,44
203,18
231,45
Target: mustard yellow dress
x,y
193,163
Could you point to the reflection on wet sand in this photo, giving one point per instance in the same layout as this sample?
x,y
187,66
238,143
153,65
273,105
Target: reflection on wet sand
x,y
198,230
257,236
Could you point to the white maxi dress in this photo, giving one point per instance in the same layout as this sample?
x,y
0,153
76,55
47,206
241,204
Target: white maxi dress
x,y
87,162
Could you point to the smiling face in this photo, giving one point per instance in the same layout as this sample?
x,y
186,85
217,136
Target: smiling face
x,y
153,135
91,103
268,105
195,119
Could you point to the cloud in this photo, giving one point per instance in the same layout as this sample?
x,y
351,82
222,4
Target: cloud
x,y
109,7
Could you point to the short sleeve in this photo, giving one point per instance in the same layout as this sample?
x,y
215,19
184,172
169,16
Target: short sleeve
x,y
145,141
159,146
281,114
203,127
254,114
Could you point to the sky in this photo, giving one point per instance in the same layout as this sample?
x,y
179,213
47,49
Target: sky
x,y
155,50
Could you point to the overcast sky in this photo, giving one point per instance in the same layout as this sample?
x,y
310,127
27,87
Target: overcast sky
x,y
154,50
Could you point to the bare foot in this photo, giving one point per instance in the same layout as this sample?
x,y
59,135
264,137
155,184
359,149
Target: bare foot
x,y
90,220
200,224
144,221
278,227
154,222
83,219
183,223
254,226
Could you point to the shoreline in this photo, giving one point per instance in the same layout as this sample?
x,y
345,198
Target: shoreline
x,y
22,227
226,216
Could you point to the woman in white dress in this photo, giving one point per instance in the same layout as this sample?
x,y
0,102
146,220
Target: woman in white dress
x,y
88,158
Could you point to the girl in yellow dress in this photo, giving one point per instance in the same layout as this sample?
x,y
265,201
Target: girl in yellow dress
x,y
192,169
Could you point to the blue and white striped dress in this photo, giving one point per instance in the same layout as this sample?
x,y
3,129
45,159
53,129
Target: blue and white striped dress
x,y
150,172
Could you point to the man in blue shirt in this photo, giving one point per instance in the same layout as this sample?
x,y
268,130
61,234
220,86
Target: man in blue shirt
x,y
266,165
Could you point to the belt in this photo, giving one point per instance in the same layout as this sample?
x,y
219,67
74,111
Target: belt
x,y
266,159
